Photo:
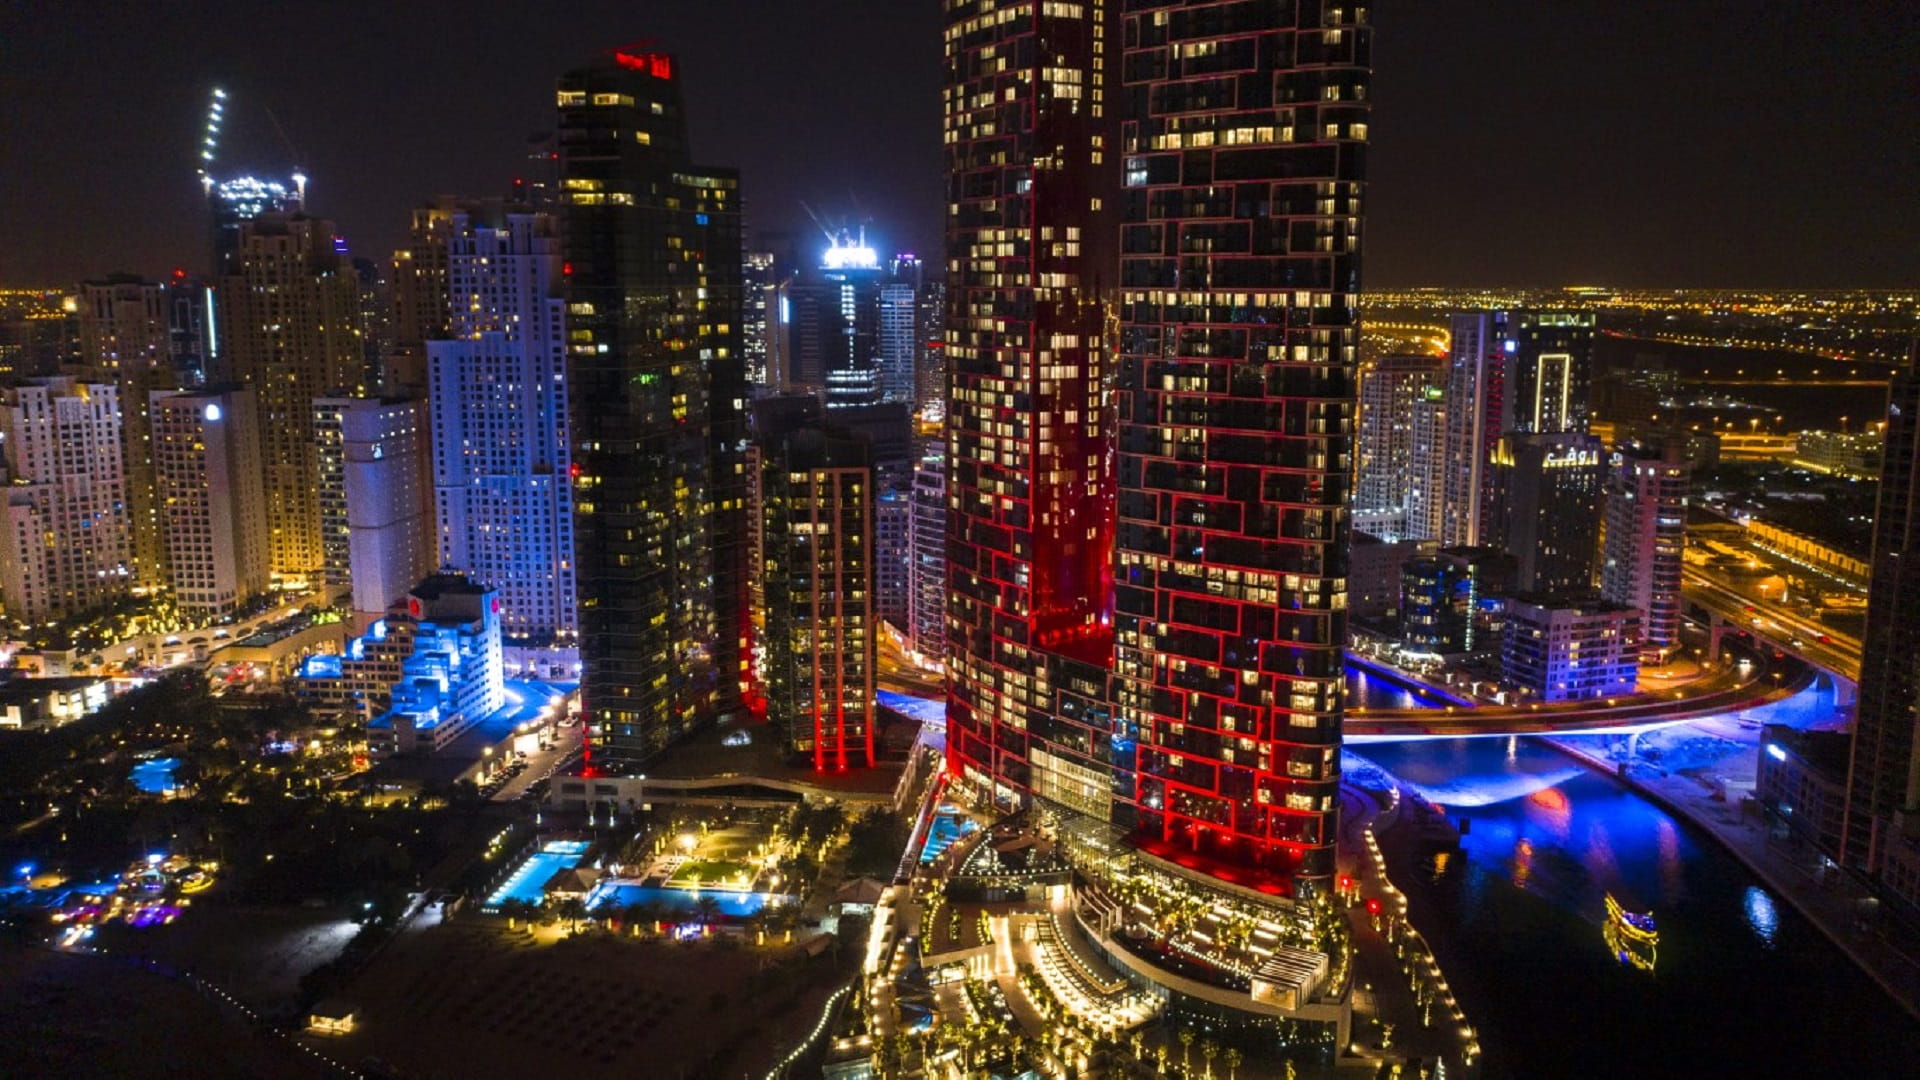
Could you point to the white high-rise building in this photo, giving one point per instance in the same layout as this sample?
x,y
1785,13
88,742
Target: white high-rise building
x,y
927,558
207,464
1646,541
1390,388
375,473
501,458
1476,385
68,545
899,336
1427,466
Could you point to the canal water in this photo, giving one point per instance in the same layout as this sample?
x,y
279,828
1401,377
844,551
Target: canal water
x,y
1742,987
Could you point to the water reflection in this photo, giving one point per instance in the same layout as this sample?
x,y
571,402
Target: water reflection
x,y
1762,919
1513,889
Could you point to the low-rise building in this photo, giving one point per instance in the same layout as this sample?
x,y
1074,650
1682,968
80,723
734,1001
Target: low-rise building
x,y
45,703
1558,649
421,678
1802,782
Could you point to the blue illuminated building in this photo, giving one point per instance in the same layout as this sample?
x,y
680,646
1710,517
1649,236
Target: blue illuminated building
x,y
421,677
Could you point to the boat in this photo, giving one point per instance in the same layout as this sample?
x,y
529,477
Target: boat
x,y
1632,937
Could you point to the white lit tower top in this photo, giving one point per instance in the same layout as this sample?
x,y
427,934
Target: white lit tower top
x,y
241,196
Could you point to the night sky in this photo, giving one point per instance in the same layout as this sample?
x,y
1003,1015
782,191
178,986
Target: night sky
x,y
1713,142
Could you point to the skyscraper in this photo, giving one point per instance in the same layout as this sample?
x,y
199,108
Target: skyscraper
x,y
127,339
658,393
930,364
206,459
1509,372
818,543
377,523
290,330
66,548
419,285
836,325
1032,191
1883,777
1549,365
1427,466
1476,405
892,574
1244,141
899,327
927,557
759,315
1547,491
1390,391
1646,539
503,501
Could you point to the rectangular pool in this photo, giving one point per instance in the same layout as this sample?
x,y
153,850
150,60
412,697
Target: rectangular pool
x,y
734,905
528,881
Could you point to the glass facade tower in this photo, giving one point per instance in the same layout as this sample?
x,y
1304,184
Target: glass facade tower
x,y
653,266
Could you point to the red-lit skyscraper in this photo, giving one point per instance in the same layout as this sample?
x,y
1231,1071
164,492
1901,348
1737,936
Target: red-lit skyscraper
x,y
1170,660
1244,142
1032,186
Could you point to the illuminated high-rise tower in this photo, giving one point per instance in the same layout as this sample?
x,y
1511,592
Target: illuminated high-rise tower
x,y
1032,192
1882,819
1244,148
64,542
290,330
1392,390
653,262
501,452
127,339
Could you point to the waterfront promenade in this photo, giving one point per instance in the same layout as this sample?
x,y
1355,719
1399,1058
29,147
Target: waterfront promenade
x,y
1788,866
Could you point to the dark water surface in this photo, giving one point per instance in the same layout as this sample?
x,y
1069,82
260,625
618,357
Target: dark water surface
x,y
1743,986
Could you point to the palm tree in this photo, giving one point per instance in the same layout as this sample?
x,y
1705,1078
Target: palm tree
x,y
1233,1058
1209,1050
572,909
707,909
1186,1049
631,916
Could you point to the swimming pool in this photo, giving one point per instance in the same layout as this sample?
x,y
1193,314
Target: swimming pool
x,y
948,826
733,905
155,777
528,882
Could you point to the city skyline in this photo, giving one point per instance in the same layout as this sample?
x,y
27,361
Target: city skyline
x,y
1630,186
1097,639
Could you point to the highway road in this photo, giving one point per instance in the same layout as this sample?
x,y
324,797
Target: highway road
x,y
1729,687
1787,629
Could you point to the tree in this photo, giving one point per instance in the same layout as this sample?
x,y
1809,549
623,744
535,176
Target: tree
x,y
632,915
707,910
572,909
1209,1050
1233,1058
1186,1049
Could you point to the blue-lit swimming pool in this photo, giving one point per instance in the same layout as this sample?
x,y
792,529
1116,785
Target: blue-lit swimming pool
x,y
528,882
947,827
156,777
733,905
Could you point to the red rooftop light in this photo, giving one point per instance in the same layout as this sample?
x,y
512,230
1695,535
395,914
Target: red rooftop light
x,y
658,65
